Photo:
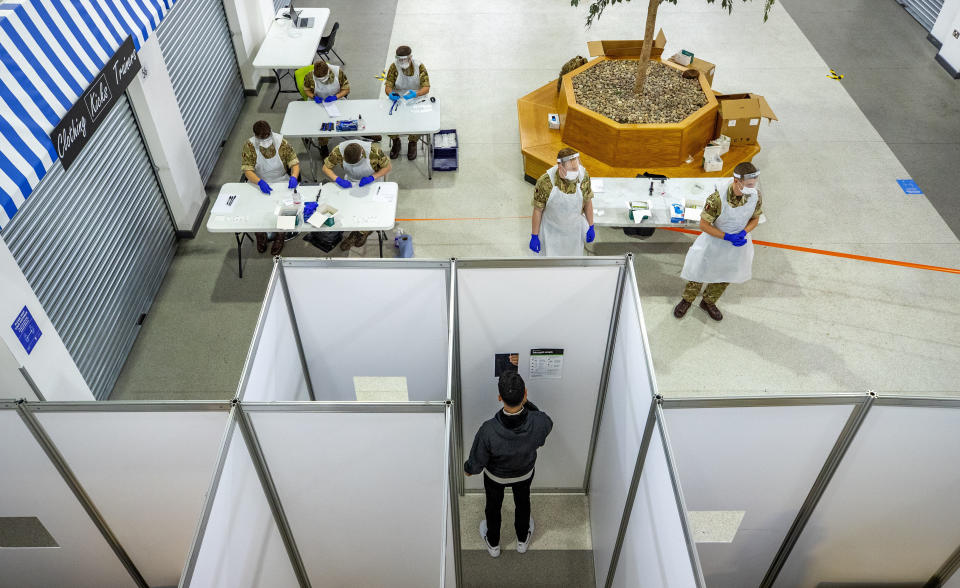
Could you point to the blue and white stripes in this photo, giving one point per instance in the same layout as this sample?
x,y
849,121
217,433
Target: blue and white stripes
x,y
50,50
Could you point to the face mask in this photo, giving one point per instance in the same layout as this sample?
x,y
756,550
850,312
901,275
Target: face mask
x,y
266,142
748,191
571,174
404,62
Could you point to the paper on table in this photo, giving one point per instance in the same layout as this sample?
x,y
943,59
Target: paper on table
x,y
331,108
381,194
691,214
286,223
224,204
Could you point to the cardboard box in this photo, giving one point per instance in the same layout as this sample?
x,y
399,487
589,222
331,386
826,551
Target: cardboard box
x,y
706,67
739,117
627,48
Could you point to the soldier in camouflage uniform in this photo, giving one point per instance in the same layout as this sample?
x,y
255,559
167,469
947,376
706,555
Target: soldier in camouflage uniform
x,y
362,162
406,78
563,208
333,85
268,157
723,252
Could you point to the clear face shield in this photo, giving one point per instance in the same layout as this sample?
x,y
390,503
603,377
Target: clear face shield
x,y
747,183
569,167
404,61
266,142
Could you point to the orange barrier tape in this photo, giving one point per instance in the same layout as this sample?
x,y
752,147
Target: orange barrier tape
x,y
933,268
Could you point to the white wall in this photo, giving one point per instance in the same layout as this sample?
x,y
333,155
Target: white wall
x,y
155,105
943,27
14,385
950,51
49,364
248,21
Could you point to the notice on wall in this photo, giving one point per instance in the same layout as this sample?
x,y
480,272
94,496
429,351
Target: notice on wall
x,y
505,362
546,363
26,330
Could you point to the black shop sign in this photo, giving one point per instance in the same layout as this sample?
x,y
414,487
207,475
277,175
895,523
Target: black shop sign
x,y
79,123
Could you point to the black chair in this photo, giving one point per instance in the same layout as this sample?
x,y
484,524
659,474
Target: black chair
x,y
326,44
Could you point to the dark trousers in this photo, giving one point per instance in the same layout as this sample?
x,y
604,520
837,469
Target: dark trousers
x,y
521,500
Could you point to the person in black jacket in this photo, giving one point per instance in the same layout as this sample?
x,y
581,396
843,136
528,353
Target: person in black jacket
x,y
505,450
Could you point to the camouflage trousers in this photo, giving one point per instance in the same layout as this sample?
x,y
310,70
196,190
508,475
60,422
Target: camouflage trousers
x,y
710,295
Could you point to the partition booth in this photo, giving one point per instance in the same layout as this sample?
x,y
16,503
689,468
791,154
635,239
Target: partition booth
x,y
340,461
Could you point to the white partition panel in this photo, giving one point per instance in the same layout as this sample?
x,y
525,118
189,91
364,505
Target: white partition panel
x,y
274,371
625,413
30,486
761,460
372,321
241,546
891,512
655,552
147,473
516,309
364,493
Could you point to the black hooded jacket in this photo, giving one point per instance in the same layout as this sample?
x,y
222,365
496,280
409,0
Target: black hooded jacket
x,y
506,445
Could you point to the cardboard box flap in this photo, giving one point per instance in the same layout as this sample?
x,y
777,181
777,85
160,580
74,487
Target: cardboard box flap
x,y
765,110
629,48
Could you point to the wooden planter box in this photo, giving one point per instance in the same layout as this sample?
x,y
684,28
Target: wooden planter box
x,y
634,145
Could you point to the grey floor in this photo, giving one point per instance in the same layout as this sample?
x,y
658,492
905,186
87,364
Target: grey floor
x,y
805,323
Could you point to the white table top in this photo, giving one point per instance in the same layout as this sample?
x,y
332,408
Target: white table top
x,y
369,208
287,47
303,118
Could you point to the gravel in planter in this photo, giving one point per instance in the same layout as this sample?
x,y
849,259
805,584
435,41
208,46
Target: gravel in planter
x,y
607,89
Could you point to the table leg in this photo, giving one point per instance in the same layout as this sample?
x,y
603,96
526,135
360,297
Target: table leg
x,y
380,237
429,156
277,74
240,237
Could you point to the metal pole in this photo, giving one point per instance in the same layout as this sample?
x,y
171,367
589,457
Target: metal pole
x,y
71,480
819,487
605,374
946,571
33,385
678,495
632,492
273,498
456,392
454,497
296,329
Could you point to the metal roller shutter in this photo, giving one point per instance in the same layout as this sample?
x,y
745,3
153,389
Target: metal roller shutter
x,y
925,11
95,242
278,4
197,49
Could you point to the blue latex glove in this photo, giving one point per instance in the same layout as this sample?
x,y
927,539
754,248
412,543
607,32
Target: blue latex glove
x,y
410,94
330,98
734,237
591,234
317,99
264,187
535,243
343,183
308,209
292,183
366,180
740,242
394,96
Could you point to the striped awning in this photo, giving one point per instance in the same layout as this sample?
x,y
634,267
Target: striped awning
x,y
50,50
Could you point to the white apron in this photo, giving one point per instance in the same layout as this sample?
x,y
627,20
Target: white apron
x,y
563,226
331,89
405,82
711,260
270,170
361,169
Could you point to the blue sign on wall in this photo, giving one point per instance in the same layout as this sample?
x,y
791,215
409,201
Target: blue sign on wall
x,y
26,330
909,187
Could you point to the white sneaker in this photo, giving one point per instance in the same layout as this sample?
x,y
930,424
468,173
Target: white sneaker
x,y
523,545
493,551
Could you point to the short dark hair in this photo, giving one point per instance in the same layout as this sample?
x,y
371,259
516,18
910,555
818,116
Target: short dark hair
x,y
261,129
745,168
352,153
320,68
403,51
511,388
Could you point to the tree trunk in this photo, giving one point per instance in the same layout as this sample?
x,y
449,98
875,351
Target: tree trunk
x,y
647,47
